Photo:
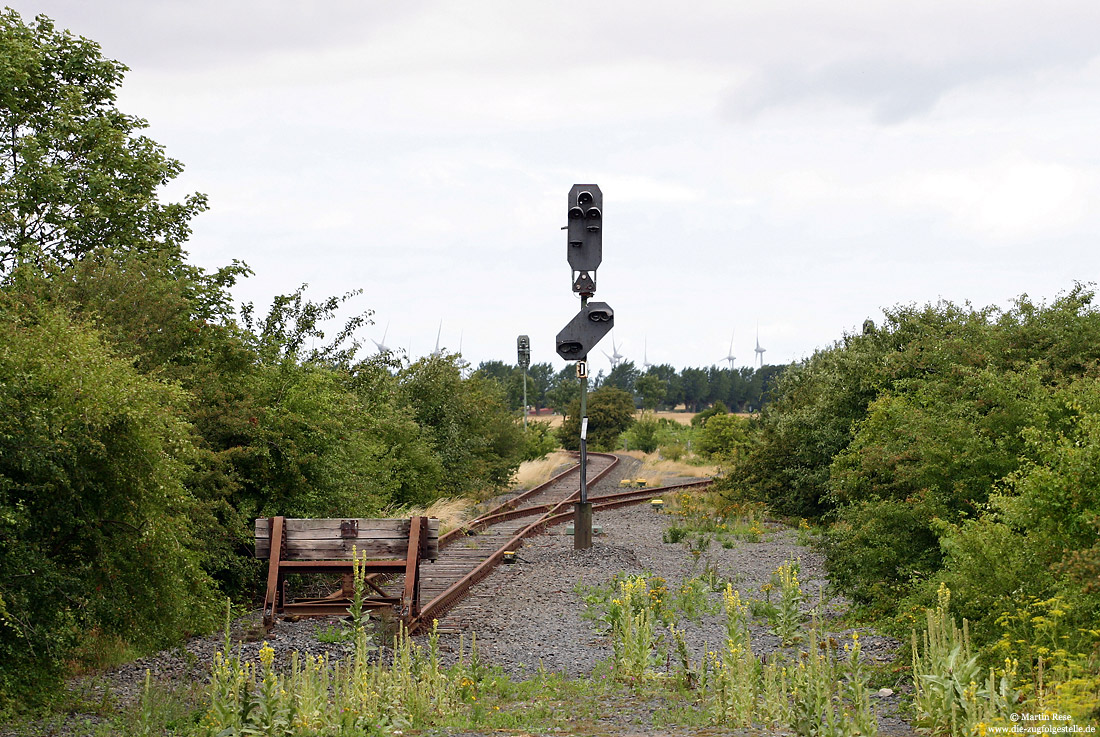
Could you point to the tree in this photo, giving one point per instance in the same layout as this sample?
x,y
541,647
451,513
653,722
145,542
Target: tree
x,y
723,436
700,419
651,389
719,384
673,385
539,378
622,377
564,388
610,412
75,176
468,424
694,386
96,523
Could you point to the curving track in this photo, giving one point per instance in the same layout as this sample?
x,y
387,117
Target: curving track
x,y
469,553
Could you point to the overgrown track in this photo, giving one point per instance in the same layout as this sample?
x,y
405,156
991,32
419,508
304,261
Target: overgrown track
x,y
468,553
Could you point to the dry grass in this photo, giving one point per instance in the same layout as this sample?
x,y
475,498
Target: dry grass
x,y
450,512
533,473
658,471
453,512
683,417
554,420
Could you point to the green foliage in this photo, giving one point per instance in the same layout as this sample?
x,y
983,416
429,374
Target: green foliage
x,y
622,376
77,177
878,547
651,389
467,424
958,447
540,379
539,440
700,418
95,528
610,412
723,437
643,435
142,427
953,693
564,388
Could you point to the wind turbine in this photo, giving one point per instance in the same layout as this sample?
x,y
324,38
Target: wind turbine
x,y
645,356
730,357
435,353
615,357
759,350
382,348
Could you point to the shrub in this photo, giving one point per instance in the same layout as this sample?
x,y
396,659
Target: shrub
x,y
610,412
716,410
539,440
642,435
723,436
95,529
878,547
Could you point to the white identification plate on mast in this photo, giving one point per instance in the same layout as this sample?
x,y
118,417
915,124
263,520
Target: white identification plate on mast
x,y
584,428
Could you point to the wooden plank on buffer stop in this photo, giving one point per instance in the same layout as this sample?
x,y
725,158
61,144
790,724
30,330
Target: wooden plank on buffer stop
x,y
376,538
326,546
296,549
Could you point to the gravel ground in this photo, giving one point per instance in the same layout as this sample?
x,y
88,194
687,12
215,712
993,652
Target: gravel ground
x,y
530,612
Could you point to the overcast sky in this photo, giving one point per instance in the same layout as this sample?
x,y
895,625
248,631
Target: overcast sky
x,y
794,165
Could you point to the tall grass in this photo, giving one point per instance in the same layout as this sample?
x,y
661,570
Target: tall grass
x,y
532,473
660,471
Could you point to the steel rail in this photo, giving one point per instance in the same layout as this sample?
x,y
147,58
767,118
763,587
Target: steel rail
x,y
551,515
513,503
455,591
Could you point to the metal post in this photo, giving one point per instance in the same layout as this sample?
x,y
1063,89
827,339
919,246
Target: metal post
x,y
582,518
525,399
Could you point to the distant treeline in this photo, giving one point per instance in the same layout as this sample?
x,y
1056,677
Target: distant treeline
x,y
659,387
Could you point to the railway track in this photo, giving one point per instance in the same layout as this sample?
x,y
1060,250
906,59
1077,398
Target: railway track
x,y
469,553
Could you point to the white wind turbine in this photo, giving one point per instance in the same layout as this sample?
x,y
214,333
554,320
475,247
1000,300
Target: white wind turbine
x,y
729,354
382,348
759,350
615,357
438,333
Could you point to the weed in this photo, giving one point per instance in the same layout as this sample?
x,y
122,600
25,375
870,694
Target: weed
x,y
333,633
787,619
952,691
691,599
355,611
674,534
807,536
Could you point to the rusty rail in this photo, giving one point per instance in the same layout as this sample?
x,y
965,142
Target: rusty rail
x,y
549,514
501,510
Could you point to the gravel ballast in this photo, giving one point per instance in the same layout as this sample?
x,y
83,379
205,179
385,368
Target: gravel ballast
x,y
530,613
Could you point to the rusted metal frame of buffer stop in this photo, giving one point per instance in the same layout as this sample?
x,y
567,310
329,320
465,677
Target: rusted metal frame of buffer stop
x,y
337,603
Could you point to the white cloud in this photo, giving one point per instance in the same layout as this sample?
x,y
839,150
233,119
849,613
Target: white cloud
x,y
798,163
1009,199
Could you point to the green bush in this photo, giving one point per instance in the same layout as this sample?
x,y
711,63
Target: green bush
x,y
643,435
95,520
878,548
467,424
723,436
539,440
610,413
717,409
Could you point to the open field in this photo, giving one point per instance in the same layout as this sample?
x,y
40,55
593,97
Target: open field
x,y
683,417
